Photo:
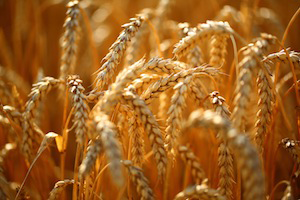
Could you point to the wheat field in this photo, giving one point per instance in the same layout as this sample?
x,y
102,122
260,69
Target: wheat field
x,y
162,99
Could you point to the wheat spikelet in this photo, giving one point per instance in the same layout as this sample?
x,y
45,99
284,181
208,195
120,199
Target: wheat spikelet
x,y
165,66
194,57
282,57
132,52
225,160
14,114
246,155
218,49
165,83
138,178
116,51
175,112
142,83
4,93
93,150
38,91
107,131
136,133
293,147
58,188
189,157
70,39
203,30
266,98
200,192
151,127
248,67
81,107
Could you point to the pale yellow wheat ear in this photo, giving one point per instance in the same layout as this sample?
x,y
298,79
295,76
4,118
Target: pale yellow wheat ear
x,y
281,56
195,56
293,147
58,188
48,138
38,92
246,155
151,127
106,140
265,104
248,67
287,195
225,159
141,182
201,191
70,39
188,156
81,110
207,29
116,51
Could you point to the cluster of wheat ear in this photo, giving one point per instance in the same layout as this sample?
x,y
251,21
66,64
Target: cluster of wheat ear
x,y
175,110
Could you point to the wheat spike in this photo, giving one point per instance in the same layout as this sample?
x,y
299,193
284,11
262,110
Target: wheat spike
x,y
116,51
151,127
81,111
70,39
248,70
189,157
246,155
203,30
138,178
38,92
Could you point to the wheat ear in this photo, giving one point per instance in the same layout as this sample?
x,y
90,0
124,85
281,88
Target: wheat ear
x,y
138,178
225,160
247,71
246,155
189,157
282,57
38,91
81,110
116,51
218,49
151,127
287,195
94,149
208,29
266,99
70,39
165,83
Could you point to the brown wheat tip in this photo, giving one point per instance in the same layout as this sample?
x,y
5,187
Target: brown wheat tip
x,y
293,147
81,107
70,39
138,178
58,188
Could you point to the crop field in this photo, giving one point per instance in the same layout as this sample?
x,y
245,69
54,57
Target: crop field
x,y
153,99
